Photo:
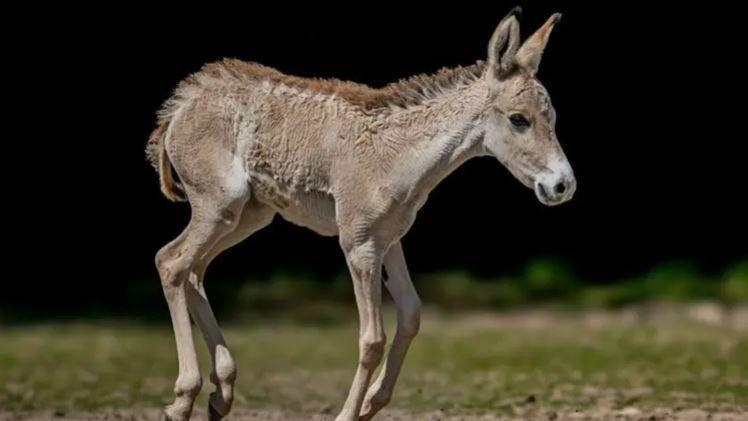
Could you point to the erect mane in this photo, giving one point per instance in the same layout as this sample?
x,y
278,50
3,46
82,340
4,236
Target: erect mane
x,y
413,90
416,89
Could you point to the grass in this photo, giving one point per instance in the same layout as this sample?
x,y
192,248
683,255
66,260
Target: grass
x,y
516,363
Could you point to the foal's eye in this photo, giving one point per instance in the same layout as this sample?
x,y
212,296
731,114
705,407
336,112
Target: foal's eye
x,y
518,120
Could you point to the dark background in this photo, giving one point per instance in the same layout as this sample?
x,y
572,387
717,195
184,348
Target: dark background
x,y
648,109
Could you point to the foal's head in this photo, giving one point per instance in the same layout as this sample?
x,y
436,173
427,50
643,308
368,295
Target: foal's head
x,y
520,120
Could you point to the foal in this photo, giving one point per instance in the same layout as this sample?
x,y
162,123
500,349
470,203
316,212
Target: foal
x,y
340,158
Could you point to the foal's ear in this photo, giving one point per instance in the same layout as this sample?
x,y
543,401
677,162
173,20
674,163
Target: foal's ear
x,y
506,38
529,55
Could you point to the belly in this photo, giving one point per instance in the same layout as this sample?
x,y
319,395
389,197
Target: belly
x,y
313,210
296,192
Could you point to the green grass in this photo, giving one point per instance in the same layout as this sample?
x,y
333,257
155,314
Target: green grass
x,y
477,364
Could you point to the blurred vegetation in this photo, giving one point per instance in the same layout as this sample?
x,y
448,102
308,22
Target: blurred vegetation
x,y
541,281
301,296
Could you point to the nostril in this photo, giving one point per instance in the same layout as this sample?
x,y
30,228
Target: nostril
x,y
559,188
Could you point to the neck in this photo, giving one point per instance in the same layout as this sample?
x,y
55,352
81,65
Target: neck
x,y
436,137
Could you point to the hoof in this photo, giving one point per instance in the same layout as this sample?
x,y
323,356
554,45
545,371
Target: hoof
x,y
217,408
213,414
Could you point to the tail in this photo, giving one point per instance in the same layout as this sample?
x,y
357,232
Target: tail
x,y
156,154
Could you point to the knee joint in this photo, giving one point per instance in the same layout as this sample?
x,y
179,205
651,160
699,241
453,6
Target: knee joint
x,y
372,351
411,322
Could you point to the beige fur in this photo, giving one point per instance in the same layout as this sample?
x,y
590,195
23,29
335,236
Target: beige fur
x,y
341,158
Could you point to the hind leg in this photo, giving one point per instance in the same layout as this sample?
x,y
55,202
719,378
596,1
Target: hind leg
x,y
223,373
212,218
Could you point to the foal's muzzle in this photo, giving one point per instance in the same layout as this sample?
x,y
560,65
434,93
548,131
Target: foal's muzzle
x,y
554,189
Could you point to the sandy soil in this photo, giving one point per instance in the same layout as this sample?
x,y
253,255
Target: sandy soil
x,y
602,414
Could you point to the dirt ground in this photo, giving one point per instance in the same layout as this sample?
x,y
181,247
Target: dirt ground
x,y
602,414
663,363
